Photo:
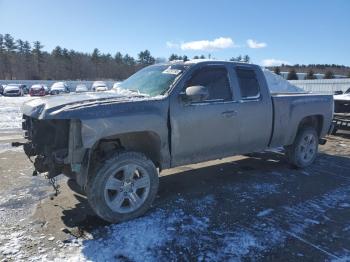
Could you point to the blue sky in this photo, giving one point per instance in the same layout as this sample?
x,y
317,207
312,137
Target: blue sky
x,y
291,31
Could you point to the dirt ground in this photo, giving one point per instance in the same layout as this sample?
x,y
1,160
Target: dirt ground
x,y
239,208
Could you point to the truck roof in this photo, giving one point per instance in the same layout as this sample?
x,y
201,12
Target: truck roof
x,y
197,61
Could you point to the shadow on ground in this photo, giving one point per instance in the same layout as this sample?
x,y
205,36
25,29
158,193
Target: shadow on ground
x,y
254,208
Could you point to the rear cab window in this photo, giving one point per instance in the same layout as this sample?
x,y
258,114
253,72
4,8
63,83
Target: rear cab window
x,y
248,83
216,79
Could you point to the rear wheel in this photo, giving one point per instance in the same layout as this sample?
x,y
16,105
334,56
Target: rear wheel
x,y
124,187
303,151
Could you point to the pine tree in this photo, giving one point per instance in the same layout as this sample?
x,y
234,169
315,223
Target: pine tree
x,y
173,57
196,57
20,44
118,58
277,70
328,75
185,58
57,52
246,58
145,58
310,75
129,60
202,57
2,46
95,58
27,59
292,75
2,51
9,43
38,58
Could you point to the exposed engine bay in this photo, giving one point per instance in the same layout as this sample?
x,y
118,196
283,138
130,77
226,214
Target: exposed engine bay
x,y
48,142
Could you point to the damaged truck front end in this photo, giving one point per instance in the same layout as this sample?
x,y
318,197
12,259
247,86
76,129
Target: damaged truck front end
x,y
54,145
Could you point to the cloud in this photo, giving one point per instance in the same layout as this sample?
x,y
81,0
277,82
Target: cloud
x,y
204,45
170,44
274,62
254,44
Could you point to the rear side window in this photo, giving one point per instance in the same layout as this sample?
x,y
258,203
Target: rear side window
x,y
248,83
215,79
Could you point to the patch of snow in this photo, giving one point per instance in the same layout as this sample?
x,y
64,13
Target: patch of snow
x,y
277,84
10,112
265,188
264,212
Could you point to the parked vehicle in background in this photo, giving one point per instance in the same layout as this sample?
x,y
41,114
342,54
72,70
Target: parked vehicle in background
x,y
342,102
99,86
81,88
341,119
59,88
38,90
15,90
114,143
1,89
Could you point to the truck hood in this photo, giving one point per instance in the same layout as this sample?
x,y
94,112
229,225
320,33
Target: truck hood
x,y
78,105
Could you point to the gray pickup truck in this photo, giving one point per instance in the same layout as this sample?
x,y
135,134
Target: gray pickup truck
x,y
114,144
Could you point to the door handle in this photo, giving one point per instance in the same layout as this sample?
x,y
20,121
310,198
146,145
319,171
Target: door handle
x,y
231,113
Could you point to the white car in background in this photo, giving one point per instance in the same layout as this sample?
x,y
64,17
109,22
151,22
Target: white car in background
x,y
15,90
99,86
81,88
59,88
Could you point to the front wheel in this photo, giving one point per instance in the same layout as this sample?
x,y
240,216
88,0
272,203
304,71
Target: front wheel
x,y
123,188
303,151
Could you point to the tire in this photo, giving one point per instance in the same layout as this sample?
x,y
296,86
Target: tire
x,y
334,131
302,153
124,187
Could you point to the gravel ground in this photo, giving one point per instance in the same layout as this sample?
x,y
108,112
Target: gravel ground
x,y
238,209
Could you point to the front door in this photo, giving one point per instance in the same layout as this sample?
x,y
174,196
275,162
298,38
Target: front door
x,y
208,129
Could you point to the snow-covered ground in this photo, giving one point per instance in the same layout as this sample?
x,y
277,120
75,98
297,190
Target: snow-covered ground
x,y
10,112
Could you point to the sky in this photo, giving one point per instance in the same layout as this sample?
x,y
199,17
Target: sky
x,y
270,32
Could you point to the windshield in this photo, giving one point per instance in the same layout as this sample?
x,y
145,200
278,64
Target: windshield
x,y
153,80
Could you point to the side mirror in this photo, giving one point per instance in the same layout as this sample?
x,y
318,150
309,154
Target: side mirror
x,y
196,93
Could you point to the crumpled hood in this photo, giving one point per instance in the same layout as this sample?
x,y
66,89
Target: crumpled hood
x,y
342,97
61,107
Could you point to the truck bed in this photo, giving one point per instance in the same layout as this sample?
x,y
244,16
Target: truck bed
x,y
289,109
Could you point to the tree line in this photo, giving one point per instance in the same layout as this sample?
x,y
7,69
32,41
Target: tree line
x,y
22,60
328,70
310,74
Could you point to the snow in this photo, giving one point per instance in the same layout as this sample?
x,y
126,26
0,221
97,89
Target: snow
x,y
264,212
10,112
277,84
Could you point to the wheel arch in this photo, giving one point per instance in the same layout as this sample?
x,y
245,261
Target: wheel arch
x,y
146,142
315,121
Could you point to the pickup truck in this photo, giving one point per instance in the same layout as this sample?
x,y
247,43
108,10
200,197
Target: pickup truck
x,y
114,144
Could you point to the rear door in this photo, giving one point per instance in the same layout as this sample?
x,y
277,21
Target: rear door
x,y
208,129
255,108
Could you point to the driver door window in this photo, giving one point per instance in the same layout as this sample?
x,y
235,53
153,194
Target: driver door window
x,y
215,79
